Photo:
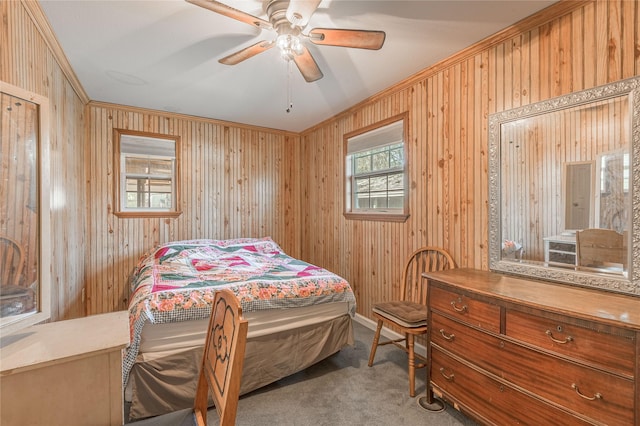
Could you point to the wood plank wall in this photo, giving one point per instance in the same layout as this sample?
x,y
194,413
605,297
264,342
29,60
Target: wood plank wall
x,y
29,59
236,181
568,47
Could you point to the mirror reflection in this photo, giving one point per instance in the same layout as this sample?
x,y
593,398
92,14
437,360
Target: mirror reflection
x,y
561,188
565,186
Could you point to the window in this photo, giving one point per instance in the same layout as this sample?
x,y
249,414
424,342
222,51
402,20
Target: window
x,y
146,167
376,175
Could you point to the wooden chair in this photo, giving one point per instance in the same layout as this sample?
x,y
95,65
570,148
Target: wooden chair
x,y
221,369
601,248
409,314
11,261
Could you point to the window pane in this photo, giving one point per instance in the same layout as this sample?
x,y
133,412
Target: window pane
x,y
362,164
396,157
160,167
362,185
396,181
396,199
137,165
160,186
379,200
381,161
362,201
149,193
379,183
148,166
136,192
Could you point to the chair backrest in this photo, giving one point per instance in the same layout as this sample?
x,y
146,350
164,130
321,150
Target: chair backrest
x,y
222,360
425,259
11,261
599,247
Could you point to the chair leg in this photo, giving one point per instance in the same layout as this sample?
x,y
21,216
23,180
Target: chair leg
x,y
412,366
374,345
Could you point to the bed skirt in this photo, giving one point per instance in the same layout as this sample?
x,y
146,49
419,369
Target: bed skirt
x,y
168,384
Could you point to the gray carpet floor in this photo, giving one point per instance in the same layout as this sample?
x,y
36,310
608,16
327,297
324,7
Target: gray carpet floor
x,y
343,390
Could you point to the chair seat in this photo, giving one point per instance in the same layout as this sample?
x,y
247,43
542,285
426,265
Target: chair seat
x,y
406,313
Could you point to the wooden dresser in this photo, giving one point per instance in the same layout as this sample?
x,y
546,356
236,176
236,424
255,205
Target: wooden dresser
x,y
508,350
64,373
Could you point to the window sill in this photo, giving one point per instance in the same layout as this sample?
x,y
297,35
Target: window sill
x,y
376,216
141,215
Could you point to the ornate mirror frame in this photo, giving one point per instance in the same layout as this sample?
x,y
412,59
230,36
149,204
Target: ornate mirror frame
x,y
629,284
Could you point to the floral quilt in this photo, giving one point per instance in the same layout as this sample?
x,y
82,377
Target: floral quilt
x,y
176,282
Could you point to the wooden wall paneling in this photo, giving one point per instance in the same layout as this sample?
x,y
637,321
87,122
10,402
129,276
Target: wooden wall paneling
x,y
602,42
636,27
455,157
475,242
615,40
565,54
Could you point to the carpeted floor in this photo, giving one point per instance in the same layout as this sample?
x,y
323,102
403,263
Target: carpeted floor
x,y
343,390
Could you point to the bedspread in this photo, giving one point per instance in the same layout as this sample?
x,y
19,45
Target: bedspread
x,y
176,282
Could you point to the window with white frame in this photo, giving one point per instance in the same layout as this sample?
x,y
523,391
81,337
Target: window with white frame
x,y
376,175
147,169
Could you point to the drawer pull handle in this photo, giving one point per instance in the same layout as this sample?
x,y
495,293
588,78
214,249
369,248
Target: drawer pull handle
x,y
449,337
597,395
457,309
448,378
562,342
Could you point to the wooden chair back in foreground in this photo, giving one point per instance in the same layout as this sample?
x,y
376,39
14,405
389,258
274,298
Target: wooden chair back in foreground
x,y
221,370
223,360
409,314
601,248
11,261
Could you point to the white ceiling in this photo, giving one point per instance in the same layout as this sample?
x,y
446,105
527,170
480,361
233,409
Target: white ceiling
x,y
163,54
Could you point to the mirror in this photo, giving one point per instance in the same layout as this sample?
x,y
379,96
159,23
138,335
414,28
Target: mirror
x,y
25,250
564,178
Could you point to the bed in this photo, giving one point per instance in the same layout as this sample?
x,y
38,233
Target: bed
x,y
298,314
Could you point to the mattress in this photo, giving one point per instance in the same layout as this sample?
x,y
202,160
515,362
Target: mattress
x,y
159,340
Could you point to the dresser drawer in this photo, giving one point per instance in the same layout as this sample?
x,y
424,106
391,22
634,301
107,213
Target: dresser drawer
x,y
606,350
498,403
469,310
552,378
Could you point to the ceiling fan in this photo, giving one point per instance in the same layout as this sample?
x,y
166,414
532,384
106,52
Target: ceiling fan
x,y
289,18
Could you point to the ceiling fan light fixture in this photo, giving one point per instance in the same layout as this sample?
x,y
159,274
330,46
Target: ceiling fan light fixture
x,y
289,45
299,11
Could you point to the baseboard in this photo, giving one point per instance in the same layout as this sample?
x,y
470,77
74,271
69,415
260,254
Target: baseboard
x,y
387,333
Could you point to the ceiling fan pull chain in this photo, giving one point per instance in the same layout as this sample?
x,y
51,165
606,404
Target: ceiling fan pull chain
x,y
289,101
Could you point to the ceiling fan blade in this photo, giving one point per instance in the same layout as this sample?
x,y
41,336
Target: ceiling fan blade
x,y
230,12
308,66
299,11
247,52
361,39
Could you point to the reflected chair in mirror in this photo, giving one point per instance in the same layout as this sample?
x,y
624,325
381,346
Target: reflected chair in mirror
x,y
11,261
601,248
221,369
409,314
16,297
